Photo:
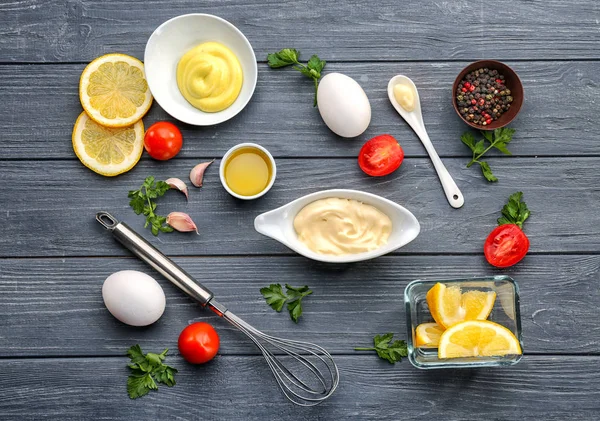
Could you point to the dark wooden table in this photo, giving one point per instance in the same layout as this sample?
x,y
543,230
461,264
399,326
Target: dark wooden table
x,y
62,353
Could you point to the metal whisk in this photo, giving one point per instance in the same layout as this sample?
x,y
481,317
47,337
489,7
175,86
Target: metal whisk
x,y
305,372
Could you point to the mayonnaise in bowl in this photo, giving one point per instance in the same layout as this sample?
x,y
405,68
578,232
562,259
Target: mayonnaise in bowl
x,y
342,226
371,241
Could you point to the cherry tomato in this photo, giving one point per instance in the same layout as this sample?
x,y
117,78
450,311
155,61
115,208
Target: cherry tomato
x,y
505,246
163,140
198,343
380,156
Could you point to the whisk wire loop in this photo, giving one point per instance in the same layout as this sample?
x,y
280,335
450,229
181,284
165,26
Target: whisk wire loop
x,y
312,360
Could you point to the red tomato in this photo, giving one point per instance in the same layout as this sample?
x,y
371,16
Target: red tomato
x,y
163,140
505,246
198,343
380,156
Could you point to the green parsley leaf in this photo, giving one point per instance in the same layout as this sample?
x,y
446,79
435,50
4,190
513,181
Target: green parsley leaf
x,y
165,375
146,370
487,171
274,296
295,296
295,309
141,203
289,57
299,292
136,354
138,386
283,58
479,147
515,211
392,352
137,203
468,139
498,139
316,64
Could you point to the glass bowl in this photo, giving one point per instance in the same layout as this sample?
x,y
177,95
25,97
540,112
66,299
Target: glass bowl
x,y
505,312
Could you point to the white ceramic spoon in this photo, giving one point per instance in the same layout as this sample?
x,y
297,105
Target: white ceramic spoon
x,y
414,119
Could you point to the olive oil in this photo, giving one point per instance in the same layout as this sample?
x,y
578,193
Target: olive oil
x,y
248,171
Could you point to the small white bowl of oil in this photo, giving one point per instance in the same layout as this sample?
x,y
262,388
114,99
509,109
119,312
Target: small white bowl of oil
x,y
247,171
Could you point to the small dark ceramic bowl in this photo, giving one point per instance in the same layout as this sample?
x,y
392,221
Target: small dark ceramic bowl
x,y
511,81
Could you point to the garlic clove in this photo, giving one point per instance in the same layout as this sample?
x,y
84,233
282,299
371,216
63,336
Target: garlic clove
x,y
176,183
181,222
197,173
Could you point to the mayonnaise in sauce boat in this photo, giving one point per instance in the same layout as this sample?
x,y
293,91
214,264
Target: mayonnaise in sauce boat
x,y
279,225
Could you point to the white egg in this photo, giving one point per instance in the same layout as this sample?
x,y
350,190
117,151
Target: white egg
x,y
133,297
343,105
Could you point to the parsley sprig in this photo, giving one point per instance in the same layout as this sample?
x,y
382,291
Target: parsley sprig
x,y
391,352
498,139
276,298
289,57
141,202
515,211
146,371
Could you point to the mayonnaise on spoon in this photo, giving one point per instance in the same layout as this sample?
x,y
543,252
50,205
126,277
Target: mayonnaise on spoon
x,y
404,97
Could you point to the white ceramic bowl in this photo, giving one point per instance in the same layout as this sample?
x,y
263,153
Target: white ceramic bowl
x,y
171,40
279,225
224,161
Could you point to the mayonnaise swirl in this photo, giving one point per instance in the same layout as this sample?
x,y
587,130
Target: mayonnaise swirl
x,y
342,226
209,77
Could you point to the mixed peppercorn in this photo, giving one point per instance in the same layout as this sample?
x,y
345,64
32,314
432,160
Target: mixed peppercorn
x,y
482,96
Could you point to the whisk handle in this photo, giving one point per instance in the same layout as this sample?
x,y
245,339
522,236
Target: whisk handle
x,y
151,255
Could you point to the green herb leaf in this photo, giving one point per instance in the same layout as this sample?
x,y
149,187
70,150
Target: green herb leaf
x,y
479,147
304,70
295,309
136,354
296,294
274,296
283,58
498,139
468,139
146,370
289,57
138,386
390,351
141,203
487,171
501,146
316,64
515,211
165,375
137,203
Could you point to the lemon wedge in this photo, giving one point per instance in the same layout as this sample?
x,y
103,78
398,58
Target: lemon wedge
x,y
113,90
477,338
108,151
448,305
428,335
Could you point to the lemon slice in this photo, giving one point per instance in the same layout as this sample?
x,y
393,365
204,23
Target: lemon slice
x,y
448,305
428,335
113,90
108,151
477,338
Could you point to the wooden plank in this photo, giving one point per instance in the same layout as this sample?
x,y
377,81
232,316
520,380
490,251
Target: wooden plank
x,y
540,387
53,307
281,116
49,207
77,30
